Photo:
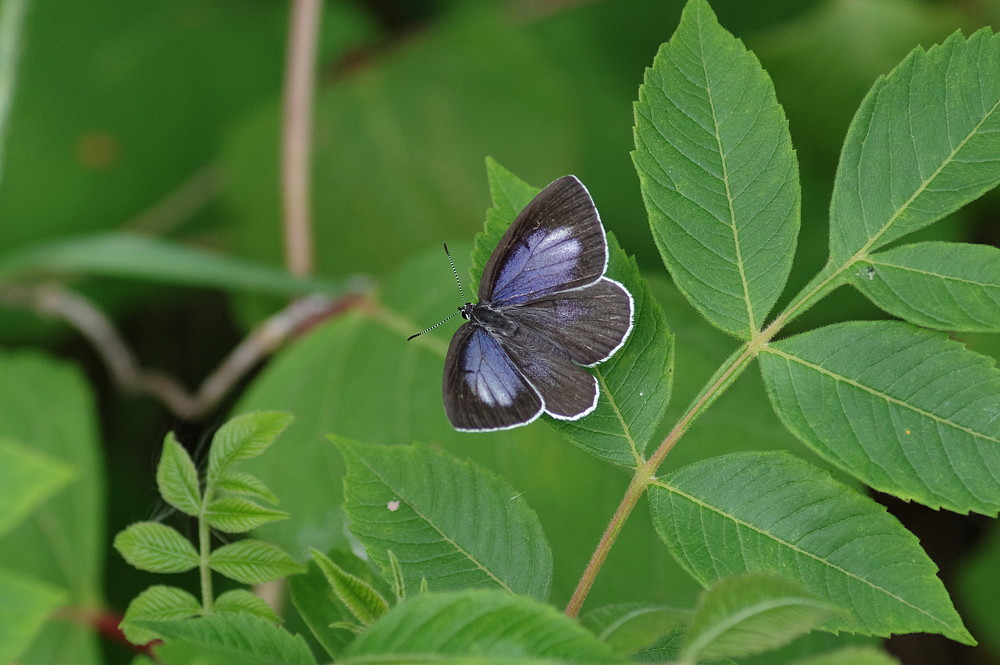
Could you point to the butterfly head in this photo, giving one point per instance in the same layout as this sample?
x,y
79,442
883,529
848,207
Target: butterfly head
x,y
466,310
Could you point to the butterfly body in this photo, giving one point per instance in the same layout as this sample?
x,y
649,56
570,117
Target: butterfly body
x,y
545,312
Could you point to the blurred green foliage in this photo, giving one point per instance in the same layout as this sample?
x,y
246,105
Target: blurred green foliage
x,y
163,117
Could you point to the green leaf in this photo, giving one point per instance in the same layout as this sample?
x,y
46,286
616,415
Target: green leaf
x,y
395,577
177,477
447,521
906,410
25,605
132,256
976,582
628,627
718,174
235,638
635,383
325,615
750,614
156,547
157,603
491,626
27,479
509,194
924,142
47,404
244,437
942,285
253,562
772,512
234,514
237,601
850,656
365,603
239,482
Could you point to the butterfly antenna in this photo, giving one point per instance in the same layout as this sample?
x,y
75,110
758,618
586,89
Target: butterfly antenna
x,y
454,272
460,290
432,327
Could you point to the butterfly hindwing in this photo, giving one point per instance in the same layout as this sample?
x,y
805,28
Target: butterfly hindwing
x,y
568,391
483,390
590,323
556,243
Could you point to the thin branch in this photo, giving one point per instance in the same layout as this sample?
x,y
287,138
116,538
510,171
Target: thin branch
x,y
297,134
131,377
180,204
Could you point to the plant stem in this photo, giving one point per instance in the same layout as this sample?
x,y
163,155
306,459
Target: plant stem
x,y
204,551
645,473
828,279
296,155
12,13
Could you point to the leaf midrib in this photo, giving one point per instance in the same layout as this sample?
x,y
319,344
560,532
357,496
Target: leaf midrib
x,y
435,527
871,391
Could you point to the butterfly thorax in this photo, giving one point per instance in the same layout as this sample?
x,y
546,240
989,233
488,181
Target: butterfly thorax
x,y
485,316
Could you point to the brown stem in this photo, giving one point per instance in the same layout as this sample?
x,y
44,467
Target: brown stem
x,y
297,134
131,377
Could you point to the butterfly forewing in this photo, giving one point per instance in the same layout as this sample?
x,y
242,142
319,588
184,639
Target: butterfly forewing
x,y
556,243
483,390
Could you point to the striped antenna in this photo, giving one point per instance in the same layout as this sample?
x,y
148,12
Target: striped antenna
x,y
454,272
460,290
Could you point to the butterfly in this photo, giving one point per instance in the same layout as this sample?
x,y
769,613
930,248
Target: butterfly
x,y
546,310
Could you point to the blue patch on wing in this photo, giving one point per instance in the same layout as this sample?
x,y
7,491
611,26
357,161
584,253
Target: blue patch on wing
x,y
545,262
482,388
489,373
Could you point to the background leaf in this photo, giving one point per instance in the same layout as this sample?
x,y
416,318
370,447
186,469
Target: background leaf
x,y
157,603
177,478
489,625
64,544
25,605
252,562
923,143
244,437
236,601
718,173
942,285
908,411
448,522
133,256
750,614
771,512
27,478
234,514
224,637
363,601
628,627
156,547
320,608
